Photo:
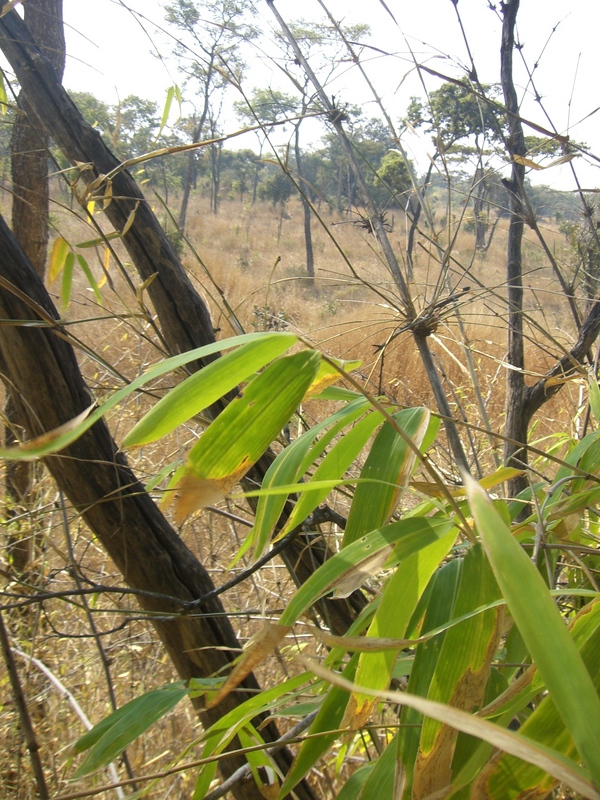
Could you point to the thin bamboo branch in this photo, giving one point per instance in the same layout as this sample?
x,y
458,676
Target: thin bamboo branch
x,y
27,729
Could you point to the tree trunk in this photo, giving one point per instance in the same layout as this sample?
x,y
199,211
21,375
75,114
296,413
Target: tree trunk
x,y
480,209
310,258
515,451
42,375
30,208
29,143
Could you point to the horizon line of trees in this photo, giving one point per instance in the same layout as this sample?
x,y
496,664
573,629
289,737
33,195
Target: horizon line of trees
x,y
133,128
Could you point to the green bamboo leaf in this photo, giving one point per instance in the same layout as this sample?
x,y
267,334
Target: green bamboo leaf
x,y
369,553
381,777
289,467
506,775
325,723
462,670
46,444
334,466
244,430
400,597
552,762
166,109
353,789
542,627
594,396
441,597
67,280
205,387
111,736
586,456
391,460
90,278
336,393
220,734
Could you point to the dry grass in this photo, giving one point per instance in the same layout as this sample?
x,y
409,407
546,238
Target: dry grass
x,y
262,278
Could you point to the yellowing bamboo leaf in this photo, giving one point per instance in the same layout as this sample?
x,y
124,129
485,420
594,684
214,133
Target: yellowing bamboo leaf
x,y
193,493
243,431
356,577
51,436
108,195
328,374
488,482
3,97
130,218
9,6
60,250
91,207
526,162
105,267
260,646
562,160
96,184
139,292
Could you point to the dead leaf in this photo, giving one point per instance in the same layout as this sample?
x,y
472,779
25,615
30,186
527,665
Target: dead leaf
x,y
194,493
260,646
355,577
51,436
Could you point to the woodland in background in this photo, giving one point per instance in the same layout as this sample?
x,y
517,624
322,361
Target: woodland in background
x,y
362,540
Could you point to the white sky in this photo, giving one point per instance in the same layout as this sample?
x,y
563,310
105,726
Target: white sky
x,y
109,54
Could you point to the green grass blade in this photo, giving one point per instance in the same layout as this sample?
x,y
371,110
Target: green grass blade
x,y
205,387
543,630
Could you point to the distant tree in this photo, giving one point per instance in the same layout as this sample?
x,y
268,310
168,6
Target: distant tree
x,y
394,175
462,123
210,37
130,128
277,188
320,45
266,107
